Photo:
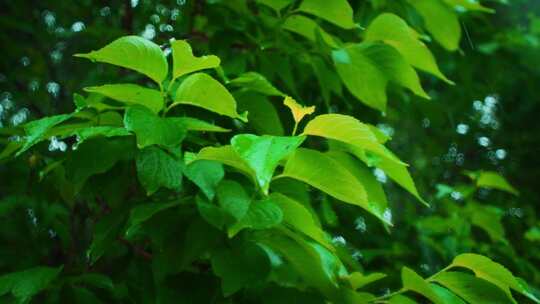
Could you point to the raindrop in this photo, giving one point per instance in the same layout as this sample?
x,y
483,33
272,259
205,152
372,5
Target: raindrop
x,y
477,105
25,61
387,215
426,123
165,28
339,240
462,129
134,3
56,56
175,13
48,18
360,224
57,145
357,255
155,18
78,26
105,11
53,88
33,85
386,129
425,267
380,175
52,233
149,32
515,212
490,101
32,216
180,2
456,195
20,117
483,141
500,154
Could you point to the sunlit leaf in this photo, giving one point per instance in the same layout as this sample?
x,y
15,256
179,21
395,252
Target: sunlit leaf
x,y
338,12
131,94
201,90
184,62
135,53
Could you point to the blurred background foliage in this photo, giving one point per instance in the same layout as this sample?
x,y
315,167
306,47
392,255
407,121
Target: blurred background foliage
x,y
488,120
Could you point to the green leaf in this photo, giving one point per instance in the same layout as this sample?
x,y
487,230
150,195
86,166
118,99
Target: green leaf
x,y
233,198
256,82
374,190
441,21
397,171
264,117
28,283
105,234
213,214
487,218
240,267
308,28
206,175
490,179
194,124
349,130
276,5
143,213
412,281
203,91
151,129
358,280
263,153
338,12
394,31
469,5
472,289
131,94
135,53
305,260
105,131
401,299
261,215
184,62
486,269
37,129
226,155
328,79
301,219
324,173
97,280
366,69
445,295
157,168
533,234
96,156
400,174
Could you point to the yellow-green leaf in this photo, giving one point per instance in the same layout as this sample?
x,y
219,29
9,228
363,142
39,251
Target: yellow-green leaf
x,y
184,62
322,172
308,28
263,153
135,53
203,91
394,31
349,130
493,180
298,111
368,67
131,94
338,12
441,21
